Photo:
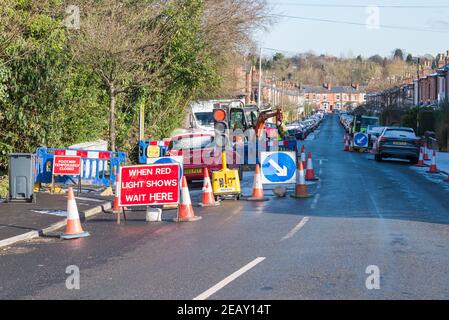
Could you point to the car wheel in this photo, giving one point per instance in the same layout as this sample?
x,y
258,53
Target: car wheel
x,y
378,157
414,161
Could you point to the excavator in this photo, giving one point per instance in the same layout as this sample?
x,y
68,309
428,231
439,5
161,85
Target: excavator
x,y
231,120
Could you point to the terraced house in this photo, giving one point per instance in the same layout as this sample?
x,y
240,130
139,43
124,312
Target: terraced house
x,y
330,98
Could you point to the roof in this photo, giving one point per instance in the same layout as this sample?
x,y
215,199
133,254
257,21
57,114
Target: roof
x,y
334,89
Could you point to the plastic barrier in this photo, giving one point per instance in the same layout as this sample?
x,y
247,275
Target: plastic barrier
x,y
152,149
99,167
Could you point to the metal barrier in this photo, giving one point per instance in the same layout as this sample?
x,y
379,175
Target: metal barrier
x,y
152,149
99,167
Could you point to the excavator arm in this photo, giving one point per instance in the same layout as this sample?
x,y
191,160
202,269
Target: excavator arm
x,y
264,116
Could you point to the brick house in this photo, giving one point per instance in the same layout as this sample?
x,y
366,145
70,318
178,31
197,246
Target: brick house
x,y
329,98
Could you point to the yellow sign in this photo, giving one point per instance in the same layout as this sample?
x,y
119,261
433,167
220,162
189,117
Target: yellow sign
x,y
153,152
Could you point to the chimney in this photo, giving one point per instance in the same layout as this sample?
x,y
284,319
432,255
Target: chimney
x,y
327,85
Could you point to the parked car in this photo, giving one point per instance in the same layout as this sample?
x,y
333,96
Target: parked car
x,y
199,151
398,142
297,130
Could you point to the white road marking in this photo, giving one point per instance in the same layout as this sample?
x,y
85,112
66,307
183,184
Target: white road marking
x,y
315,201
206,294
298,227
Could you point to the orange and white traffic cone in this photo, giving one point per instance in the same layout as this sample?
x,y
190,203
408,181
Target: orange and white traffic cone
x,y
421,158
346,145
186,213
257,194
301,190
303,157
426,152
310,174
433,166
208,199
374,148
73,226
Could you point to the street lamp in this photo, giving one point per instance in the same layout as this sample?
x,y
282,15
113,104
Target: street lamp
x,y
260,79
418,62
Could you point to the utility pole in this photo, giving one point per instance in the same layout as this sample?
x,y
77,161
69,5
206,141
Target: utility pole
x,y
259,94
417,95
142,118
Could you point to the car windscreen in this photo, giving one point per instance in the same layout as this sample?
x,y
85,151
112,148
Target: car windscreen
x,y
204,118
191,142
395,133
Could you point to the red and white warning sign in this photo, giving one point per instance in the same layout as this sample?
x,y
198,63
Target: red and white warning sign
x,y
146,185
67,165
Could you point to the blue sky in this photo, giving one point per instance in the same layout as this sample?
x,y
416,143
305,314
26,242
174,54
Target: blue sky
x,y
340,39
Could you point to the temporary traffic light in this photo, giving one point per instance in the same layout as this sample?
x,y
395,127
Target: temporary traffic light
x,y
220,127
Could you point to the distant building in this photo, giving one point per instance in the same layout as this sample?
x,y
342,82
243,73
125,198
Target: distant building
x,y
330,98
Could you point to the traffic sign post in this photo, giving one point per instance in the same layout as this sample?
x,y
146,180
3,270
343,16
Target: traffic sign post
x,y
147,185
66,166
278,167
361,140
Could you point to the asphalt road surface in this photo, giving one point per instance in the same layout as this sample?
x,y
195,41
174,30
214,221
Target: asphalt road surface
x,y
364,216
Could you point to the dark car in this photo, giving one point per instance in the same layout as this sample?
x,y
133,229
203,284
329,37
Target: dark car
x,y
401,143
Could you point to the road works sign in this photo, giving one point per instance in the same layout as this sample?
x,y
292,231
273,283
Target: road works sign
x,y
278,167
66,165
361,140
146,185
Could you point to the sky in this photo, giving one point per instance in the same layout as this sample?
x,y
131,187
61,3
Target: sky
x,y
297,35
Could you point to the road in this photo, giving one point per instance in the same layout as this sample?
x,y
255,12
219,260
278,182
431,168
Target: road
x,y
362,214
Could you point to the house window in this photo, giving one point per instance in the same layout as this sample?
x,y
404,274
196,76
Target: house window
x,y
338,97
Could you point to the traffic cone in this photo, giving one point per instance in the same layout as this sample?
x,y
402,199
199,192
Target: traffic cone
x,y
301,186
346,145
186,213
257,194
421,158
374,148
433,166
73,226
310,174
426,152
303,157
208,199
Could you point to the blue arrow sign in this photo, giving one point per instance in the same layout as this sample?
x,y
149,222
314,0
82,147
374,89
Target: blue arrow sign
x,y
278,167
361,140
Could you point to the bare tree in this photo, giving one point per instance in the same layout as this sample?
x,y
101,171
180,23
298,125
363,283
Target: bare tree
x,y
122,41
228,29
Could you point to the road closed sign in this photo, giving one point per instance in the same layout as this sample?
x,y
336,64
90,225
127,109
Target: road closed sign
x,y
146,185
66,165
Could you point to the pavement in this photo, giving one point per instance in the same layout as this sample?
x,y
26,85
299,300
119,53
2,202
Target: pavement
x,y
442,161
363,216
24,221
